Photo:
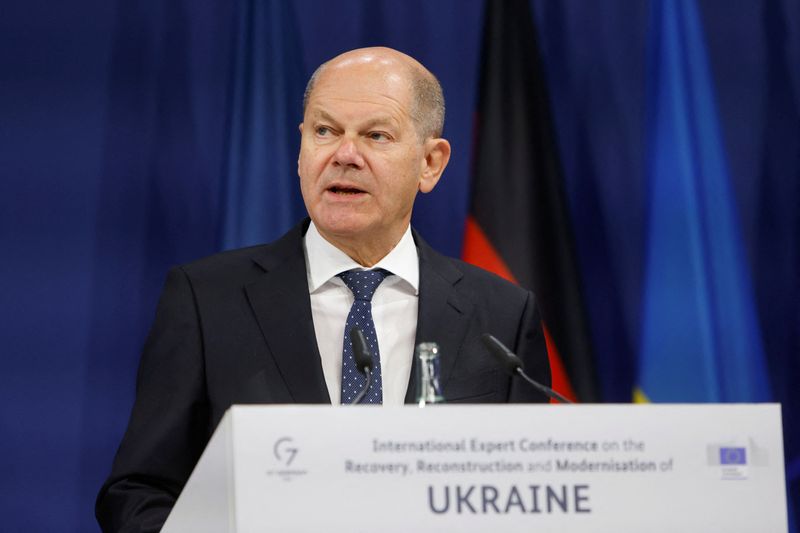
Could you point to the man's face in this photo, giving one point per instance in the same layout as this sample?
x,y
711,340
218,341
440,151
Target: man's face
x,y
361,161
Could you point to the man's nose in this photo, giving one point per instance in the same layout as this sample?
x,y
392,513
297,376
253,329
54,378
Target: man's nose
x,y
348,154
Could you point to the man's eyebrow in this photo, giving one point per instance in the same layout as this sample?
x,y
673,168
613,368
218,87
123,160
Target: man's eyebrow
x,y
324,115
379,121
321,114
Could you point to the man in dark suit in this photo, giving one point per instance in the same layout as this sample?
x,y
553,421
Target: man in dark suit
x,y
267,324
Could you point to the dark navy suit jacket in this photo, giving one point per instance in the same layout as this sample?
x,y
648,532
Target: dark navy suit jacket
x,y
236,328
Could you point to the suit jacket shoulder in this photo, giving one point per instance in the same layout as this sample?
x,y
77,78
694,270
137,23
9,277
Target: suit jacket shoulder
x,y
458,303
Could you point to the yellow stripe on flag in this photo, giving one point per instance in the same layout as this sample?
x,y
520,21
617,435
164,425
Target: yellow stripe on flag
x,y
639,396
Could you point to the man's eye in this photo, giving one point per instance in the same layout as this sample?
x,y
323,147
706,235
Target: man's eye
x,y
378,136
322,131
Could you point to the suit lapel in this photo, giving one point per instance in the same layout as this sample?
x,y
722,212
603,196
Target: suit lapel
x,y
443,315
282,306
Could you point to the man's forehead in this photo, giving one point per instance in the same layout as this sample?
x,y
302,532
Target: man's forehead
x,y
376,69
367,76
365,86
374,76
361,120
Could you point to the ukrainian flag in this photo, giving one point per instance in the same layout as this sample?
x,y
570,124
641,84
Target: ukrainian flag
x,y
700,340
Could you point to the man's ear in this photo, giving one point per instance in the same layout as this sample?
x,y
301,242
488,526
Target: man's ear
x,y
437,155
299,127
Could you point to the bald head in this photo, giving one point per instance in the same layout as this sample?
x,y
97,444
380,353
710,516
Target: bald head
x,y
427,101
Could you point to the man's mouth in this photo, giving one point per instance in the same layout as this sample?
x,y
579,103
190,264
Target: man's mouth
x,y
344,190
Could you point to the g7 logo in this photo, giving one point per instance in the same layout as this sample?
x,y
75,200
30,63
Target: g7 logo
x,y
284,451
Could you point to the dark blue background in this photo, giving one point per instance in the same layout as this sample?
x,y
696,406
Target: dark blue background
x,y
115,122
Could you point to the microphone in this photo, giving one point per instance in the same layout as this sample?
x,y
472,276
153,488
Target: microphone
x,y
363,359
513,365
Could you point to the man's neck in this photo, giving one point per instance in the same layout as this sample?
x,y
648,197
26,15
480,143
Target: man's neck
x,y
367,252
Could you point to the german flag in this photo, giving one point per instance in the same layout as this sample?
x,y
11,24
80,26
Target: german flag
x,y
519,225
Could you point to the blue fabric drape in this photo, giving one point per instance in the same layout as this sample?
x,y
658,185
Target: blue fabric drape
x,y
260,200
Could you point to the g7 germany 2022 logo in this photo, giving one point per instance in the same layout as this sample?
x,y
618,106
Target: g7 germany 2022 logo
x,y
284,451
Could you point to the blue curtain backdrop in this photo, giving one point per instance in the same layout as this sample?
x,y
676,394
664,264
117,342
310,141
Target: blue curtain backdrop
x,y
137,135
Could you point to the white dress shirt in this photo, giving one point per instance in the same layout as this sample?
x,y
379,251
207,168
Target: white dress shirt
x,y
394,310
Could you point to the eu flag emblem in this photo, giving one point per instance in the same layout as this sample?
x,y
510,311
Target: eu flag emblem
x,y
732,456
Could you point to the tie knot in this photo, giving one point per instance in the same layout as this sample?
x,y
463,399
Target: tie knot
x,y
363,283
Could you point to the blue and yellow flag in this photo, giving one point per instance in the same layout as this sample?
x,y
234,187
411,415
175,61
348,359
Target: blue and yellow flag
x,y
700,337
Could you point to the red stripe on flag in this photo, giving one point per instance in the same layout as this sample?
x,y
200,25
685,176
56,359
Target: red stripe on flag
x,y
558,375
478,250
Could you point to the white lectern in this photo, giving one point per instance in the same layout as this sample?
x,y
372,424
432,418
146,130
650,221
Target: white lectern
x,y
587,468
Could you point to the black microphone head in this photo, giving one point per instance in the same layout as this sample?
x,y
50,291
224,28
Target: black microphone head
x,y
506,357
361,351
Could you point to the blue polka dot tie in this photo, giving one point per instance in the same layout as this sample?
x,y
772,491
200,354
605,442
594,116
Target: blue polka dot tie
x,y
363,284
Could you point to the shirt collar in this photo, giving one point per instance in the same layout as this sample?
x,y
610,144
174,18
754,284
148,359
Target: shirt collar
x,y
324,261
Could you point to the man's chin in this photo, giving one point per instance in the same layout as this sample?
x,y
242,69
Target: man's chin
x,y
344,229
